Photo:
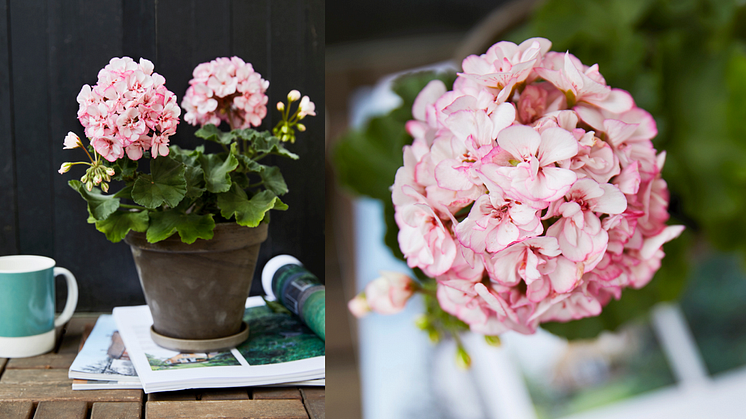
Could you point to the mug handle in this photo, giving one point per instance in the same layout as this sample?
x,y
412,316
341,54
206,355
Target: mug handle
x,y
72,296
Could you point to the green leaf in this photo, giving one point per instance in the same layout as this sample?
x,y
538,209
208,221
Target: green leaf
x,y
249,166
99,206
125,192
163,224
211,133
248,212
240,180
217,171
273,180
165,184
264,142
188,157
121,222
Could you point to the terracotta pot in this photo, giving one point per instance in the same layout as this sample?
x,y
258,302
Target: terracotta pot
x,y
198,291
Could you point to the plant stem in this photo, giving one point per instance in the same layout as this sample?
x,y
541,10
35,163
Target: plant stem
x,y
132,206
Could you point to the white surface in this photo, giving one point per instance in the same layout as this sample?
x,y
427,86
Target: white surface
x,y
26,346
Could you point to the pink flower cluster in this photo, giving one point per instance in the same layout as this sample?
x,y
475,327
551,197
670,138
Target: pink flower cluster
x,y
226,89
129,110
532,191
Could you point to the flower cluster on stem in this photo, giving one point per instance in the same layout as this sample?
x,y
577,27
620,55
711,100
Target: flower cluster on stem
x,y
285,128
531,191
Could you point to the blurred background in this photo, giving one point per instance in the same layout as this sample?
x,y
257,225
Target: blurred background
x,y
49,50
678,347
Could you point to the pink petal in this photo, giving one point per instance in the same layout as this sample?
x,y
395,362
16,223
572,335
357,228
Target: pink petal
x,y
565,275
652,244
519,140
617,101
556,144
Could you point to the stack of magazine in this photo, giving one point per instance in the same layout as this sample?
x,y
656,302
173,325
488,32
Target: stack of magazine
x,y
119,354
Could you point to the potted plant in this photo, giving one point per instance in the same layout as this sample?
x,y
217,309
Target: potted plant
x,y
195,219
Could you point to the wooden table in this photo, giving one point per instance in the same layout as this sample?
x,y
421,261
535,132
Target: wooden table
x,y
38,388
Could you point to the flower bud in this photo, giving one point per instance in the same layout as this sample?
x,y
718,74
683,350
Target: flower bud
x,y
463,360
301,127
434,335
280,106
105,187
72,141
89,185
389,293
293,95
97,179
110,171
65,167
306,108
358,306
493,340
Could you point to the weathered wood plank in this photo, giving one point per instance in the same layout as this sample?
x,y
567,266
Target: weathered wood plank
x,y
64,392
120,410
16,410
253,409
172,396
61,410
8,226
75,333
35,376
225,394
315,401
46,361
30,70
275,393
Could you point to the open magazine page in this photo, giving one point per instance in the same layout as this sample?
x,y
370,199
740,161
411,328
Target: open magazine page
x,y
280,349
103,356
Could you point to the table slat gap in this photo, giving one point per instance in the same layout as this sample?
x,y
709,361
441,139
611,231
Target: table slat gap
x,y
315,401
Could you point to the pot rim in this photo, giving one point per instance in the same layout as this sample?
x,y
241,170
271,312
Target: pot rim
x,y
227,236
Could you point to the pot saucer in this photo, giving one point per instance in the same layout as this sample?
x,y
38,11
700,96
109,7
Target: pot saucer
x,y
200,345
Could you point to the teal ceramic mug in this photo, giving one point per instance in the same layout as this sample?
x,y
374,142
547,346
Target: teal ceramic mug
x,y
27,304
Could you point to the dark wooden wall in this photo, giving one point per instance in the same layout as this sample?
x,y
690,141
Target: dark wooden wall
x,y
49,49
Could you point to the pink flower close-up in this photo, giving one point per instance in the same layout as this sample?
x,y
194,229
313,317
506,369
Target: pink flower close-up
x,y
128,109
531,192
226,89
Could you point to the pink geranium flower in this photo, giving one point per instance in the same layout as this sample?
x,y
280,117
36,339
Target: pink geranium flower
x,y
533,175
126,110
227,89
531,192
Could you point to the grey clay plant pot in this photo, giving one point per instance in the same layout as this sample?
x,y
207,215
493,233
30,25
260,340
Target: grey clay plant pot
x,y
198,291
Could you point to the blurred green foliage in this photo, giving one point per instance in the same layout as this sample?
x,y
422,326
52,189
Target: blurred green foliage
x,y
684,61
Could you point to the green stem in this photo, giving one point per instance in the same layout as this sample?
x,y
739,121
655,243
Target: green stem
x,y
254,185
132,206
89,155
261,156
